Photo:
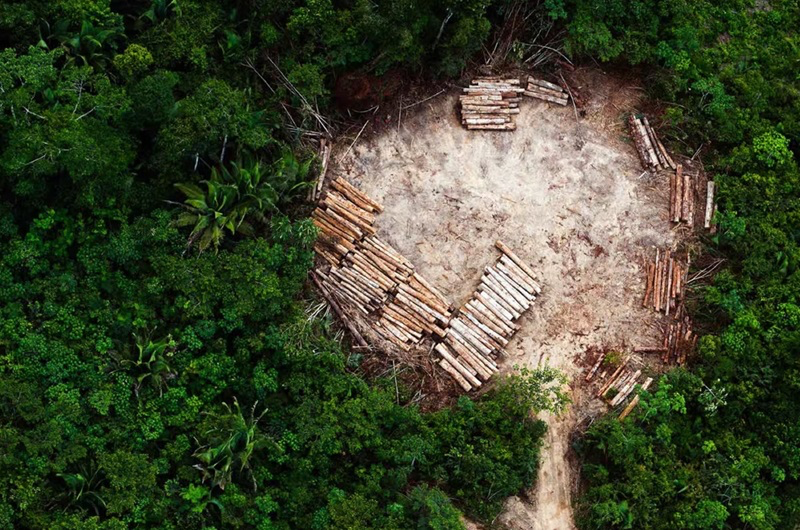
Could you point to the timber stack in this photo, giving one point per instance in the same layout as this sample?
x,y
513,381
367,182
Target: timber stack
x,y
345,216
666,281
635,401
416,310
477,334
652,152
490,103
679,338
682,197
622,382
370,277
547,91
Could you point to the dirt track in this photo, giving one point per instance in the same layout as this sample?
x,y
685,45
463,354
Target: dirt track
x,y
567,197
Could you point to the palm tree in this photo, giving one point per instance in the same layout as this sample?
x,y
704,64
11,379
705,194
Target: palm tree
x,y
82,490
91,45
234,195
233,438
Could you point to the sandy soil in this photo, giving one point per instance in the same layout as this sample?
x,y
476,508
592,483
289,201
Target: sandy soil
x,y
567,197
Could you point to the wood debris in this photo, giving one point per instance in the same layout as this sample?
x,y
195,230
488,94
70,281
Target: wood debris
x,y
635,400
477,334
711,206
620,384
666,281
490,103
547,91
325,147
651,151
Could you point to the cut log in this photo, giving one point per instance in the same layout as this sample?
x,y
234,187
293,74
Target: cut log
x,y
648,145
648,290
468,355
611,380
487,330
523,296
626,390
709,203
357,337
654,141
496,308
521,274
560,94
340,182
487,291
517,260
687,183
596,365
450,369
544,84
518,279
503,295
669,284
461,329
635,400
480,307
546,97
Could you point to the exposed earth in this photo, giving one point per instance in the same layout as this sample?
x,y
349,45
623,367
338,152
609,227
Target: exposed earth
x,y
569,197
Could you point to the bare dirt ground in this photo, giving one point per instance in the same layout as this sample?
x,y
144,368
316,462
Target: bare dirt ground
x,y
568,198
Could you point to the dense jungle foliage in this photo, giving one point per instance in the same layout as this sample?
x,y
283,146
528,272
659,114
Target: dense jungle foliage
x,y
159,365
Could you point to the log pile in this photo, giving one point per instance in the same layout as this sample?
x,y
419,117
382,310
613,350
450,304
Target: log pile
x,y
367,277
651,151
666,281
345,216
682,194
679,338
490,103
415,310
540,89
622,381
476,336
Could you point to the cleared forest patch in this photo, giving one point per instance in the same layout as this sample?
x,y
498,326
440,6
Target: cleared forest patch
x,y
569,196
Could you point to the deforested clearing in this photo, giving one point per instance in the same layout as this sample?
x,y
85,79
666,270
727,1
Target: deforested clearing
x,y
569,196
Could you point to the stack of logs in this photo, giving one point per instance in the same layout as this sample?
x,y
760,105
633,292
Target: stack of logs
x,y
477,335
651,151
540,89
666,281
623,381
368,276
681,197
679,338
345,216
415,310
491,103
